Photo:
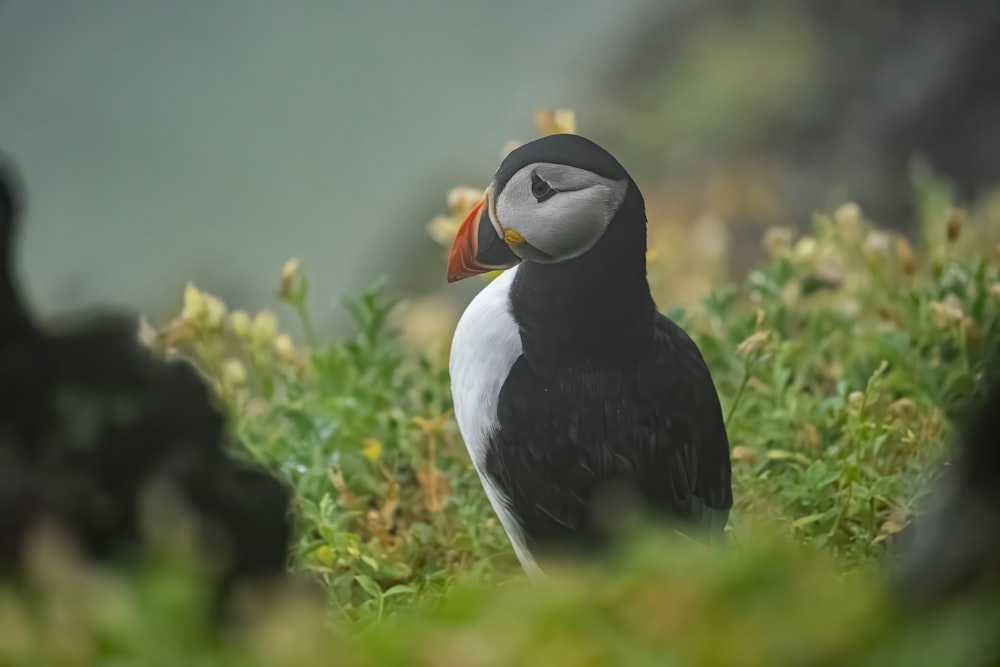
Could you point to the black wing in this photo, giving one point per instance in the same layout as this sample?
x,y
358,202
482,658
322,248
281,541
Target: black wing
x,y
686,382
646,424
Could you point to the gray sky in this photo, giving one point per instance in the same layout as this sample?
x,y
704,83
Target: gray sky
x,y
212,140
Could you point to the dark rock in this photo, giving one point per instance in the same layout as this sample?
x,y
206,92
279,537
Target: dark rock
x,y
89,419
956,550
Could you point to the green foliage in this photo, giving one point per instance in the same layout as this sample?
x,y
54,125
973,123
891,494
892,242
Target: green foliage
x,y
388,506
838,358
838,361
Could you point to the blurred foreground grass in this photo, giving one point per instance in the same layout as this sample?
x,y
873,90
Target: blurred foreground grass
x,y
838,362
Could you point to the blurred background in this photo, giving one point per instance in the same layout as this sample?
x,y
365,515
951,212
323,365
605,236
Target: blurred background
x,y
167,142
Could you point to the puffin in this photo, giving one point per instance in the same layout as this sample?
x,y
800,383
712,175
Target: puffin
x,y
580,404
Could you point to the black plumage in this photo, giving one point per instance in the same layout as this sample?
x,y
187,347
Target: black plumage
x,y
89,419
645,426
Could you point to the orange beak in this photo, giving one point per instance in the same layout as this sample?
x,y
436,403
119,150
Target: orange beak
x,y
478,248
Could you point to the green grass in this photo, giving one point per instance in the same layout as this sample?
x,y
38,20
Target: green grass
x,y
838,362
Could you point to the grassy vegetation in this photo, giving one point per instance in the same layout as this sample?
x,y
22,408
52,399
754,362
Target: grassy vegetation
x,y
838,363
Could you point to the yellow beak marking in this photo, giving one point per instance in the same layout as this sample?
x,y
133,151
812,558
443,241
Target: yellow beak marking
x,y
513,238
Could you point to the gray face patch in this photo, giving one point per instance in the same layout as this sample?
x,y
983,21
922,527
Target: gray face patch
x,y
566,223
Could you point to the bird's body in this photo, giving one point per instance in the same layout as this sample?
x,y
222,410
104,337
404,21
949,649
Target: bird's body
x,y
574,395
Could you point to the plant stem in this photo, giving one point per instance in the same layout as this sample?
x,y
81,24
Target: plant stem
x,y
739,396
307,326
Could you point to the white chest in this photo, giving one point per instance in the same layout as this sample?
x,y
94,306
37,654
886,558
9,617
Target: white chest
x,y
486,344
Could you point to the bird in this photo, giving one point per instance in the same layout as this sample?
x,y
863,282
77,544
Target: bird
x,y
90,420
577,400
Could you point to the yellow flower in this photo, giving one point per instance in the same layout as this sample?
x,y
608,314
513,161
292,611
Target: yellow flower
x,y
948,312
202,309
371,449
264,327
443,229
555,121
324,554
291,269
431,426
755,343
806,248
284,347
291,279
239,322
215,311
461,200
830,268
566,121
194,304
847,217
877,246
234,373
778,240
856,399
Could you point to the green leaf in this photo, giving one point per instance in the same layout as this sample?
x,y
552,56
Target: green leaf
x,y
806,520
781,454
400,589
369,585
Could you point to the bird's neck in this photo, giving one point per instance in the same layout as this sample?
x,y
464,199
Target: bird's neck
x,y
591,307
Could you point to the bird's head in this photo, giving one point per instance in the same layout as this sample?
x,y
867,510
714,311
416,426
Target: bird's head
x,y
551,200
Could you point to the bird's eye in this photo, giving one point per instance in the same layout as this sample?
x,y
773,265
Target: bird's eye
x,y
540,189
